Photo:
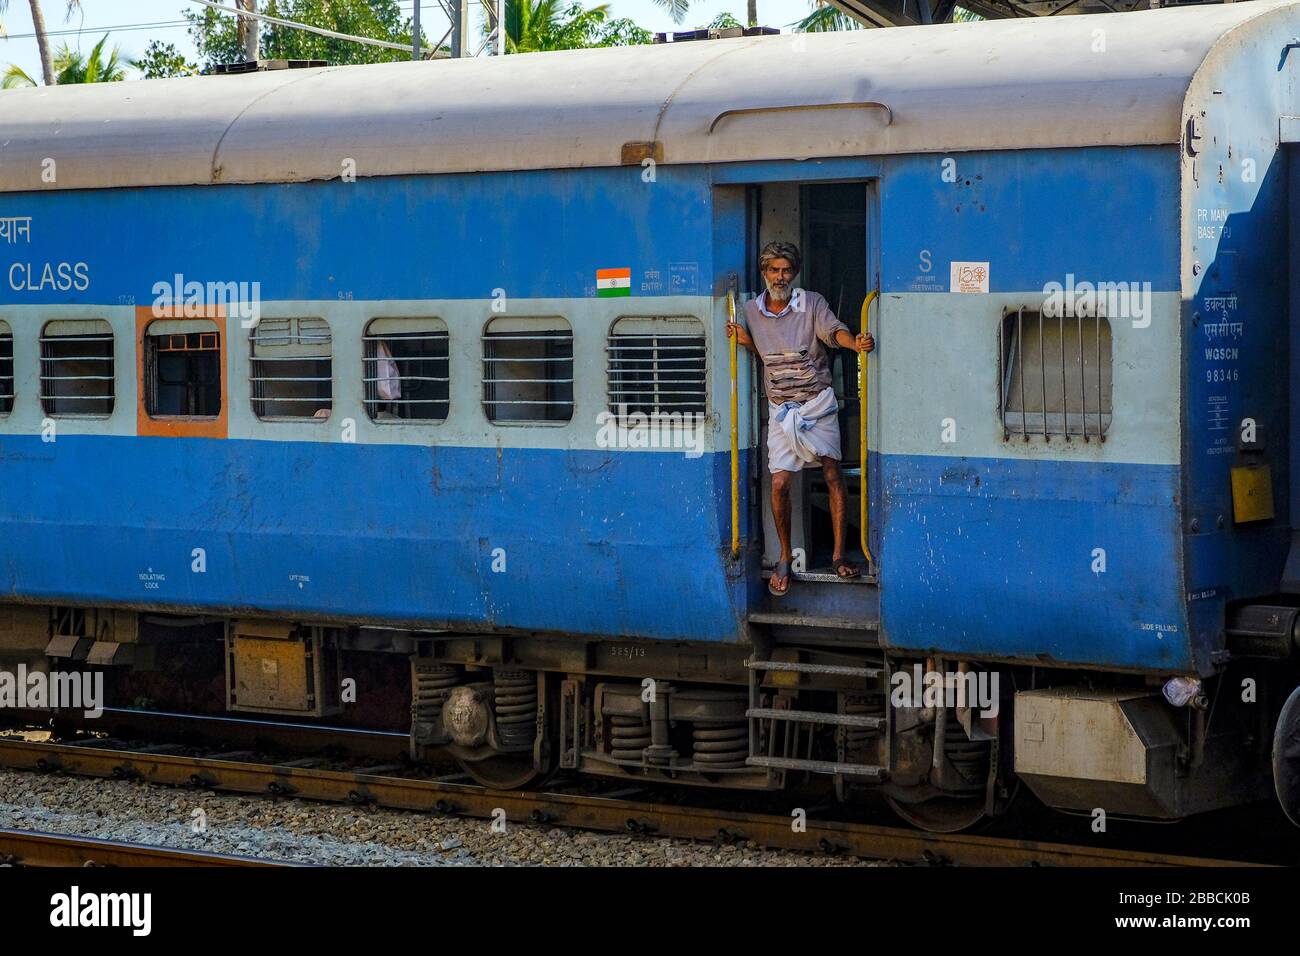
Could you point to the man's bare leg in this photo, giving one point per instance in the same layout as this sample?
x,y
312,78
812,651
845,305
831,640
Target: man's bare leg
x,y
781,518
839,507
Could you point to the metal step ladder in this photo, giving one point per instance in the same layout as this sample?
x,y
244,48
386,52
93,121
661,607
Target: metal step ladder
x,y
822,608
777,716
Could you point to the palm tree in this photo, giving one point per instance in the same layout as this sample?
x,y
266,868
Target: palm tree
x,y
71,66
677,8
534,25
42,37
825,18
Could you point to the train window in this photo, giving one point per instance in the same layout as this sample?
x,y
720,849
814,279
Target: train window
x,y
292,372
77,368
6,369
406,370
1055,374
182,369
528,370
656,365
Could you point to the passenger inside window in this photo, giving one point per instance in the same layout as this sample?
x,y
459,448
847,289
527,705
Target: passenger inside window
x,y
407,370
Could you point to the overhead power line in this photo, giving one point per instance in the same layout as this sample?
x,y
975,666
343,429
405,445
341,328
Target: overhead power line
x,y
174,24
321,31
159,25
119,28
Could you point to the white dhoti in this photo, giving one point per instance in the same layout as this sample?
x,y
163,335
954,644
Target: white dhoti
x,y
801,433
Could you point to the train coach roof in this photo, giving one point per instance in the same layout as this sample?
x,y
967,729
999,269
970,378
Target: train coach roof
x,y
1114,79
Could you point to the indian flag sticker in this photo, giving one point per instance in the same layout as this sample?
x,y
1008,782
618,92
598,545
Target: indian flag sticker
x,y
612,282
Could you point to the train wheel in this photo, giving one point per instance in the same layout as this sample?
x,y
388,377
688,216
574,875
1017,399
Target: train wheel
x,y
1286,757
502,771
510,704
942,814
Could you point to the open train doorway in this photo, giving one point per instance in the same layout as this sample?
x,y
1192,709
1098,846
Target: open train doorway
x,y
830,223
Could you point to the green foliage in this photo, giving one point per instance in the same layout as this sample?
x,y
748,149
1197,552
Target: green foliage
x,y
724,21
537,25
622,32
15,75
825,19
72,66
162,60
677,9
216,35
531,25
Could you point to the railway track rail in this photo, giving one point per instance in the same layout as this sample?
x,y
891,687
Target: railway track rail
x,y
34,848
234,773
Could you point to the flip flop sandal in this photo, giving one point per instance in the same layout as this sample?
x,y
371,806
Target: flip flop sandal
x,y
840,571
782,571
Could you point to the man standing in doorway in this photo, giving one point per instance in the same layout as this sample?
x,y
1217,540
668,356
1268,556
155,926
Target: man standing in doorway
x,y
790,330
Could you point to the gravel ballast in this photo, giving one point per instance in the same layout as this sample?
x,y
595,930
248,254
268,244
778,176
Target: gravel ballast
x,y
335,835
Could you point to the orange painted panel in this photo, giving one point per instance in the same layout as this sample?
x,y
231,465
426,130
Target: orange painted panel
x,y
179,426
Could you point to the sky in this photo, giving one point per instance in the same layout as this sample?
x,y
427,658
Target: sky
x,y
158,20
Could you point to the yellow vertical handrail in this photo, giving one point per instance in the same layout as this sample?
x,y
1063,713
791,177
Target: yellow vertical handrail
x,y
864,326
735,431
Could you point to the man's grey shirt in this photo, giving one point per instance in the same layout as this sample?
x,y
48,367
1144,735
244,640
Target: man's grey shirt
x,y
793,345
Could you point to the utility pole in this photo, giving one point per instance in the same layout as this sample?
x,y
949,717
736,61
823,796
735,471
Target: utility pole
x,y
249,28
501,27
460,28
415,33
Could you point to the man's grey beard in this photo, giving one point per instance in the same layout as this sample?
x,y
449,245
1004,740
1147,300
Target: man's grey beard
x,y
775,295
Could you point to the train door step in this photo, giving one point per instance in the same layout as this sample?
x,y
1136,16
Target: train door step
x,y
828,576
818,766
816,717
834,670
821,607
797,619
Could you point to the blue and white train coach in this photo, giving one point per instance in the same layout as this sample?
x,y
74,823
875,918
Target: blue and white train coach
x,y
399,396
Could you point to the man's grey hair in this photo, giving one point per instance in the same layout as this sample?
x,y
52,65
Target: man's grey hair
x,y
780,250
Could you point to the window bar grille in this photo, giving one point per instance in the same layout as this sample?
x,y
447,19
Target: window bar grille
x,y
654,369
1083,381
1020,361
1101,434
6,369
1042,372
371,378
1065,401
1004,384
551,368
53,363
315,333
627,370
